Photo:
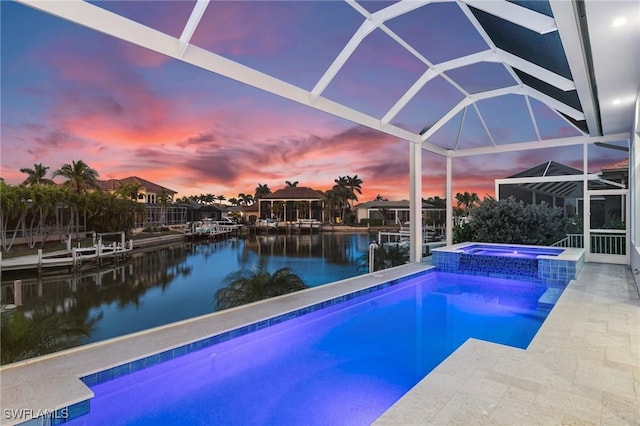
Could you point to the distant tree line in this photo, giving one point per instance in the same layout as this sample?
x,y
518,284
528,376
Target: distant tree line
x,y
38,207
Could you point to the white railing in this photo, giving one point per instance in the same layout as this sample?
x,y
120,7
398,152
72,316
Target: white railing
x,y
570,241
392,237
609,242
602,241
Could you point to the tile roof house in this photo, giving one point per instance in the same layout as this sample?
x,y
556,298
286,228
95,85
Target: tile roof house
x,y
148,192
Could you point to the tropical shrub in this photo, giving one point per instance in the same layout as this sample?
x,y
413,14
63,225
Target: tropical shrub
x,y
513,222
41,332
251,286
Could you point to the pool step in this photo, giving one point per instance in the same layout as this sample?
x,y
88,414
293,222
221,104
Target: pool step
x,y
549,298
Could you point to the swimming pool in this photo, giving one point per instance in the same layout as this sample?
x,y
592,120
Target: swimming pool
x,y
344,364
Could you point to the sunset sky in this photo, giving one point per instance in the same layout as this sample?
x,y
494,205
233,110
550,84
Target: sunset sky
x,y
70,93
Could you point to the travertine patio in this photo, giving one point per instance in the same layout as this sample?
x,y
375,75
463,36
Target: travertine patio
x,y
582,368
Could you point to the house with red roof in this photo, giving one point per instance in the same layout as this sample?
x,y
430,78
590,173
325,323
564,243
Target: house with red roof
x,y
147,191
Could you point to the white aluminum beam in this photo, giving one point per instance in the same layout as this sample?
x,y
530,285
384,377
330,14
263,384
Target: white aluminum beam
x,y
415,203
192,24
527,18
449,200
533,119
365,29
567,21
468,101
545,143
532,69
542,179
372,21
429,75
484,125
554,103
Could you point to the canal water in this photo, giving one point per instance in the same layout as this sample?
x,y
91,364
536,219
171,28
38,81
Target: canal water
x,y
177,282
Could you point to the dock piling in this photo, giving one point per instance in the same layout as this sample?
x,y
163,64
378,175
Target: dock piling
x,y
17,292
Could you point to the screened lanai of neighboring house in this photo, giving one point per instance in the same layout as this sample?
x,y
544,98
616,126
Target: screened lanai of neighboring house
x,y
463,77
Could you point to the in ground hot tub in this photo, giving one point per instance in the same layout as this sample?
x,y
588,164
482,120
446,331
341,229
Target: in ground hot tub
x,y
548,265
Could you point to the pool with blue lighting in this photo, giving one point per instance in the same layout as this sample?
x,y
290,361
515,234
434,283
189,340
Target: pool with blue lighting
x,y
341,365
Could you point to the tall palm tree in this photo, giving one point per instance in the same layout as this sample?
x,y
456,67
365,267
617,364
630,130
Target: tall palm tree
x,y
221,198
344,193
164,199
289,183
80,177
36,176
261,191
332,204
252,286
467,200
354,183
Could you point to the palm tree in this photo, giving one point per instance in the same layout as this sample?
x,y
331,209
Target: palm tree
x,y
344,193
355,185
245,199
25,336
289,183
129,191
36,175
261,191
221,198
164,199
80,177
332,203
388,256
467,200
234,201
252,286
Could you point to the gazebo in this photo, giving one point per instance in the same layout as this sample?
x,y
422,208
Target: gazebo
x,y
292,203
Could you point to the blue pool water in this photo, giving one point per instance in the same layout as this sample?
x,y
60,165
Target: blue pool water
x,y
341,365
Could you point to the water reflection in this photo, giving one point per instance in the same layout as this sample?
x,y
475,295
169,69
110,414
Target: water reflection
x,y
164,285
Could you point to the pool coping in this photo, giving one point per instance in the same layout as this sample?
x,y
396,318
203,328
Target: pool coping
x,y
52,384
568,254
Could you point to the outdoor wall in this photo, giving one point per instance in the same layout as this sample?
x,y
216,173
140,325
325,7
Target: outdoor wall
x,y
634,189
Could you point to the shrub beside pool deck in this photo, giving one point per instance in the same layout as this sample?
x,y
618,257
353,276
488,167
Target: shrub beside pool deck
x,y
547,265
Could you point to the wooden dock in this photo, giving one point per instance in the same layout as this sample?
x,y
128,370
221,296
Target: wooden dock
x,y
74,259
71,258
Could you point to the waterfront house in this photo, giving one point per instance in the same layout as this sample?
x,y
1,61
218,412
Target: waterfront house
x,y
147,191
392,212
292,203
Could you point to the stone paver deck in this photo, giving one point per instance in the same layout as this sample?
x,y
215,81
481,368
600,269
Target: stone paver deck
x,y
582,368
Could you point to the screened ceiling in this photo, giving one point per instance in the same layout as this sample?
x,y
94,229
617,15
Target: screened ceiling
x,y
460,77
